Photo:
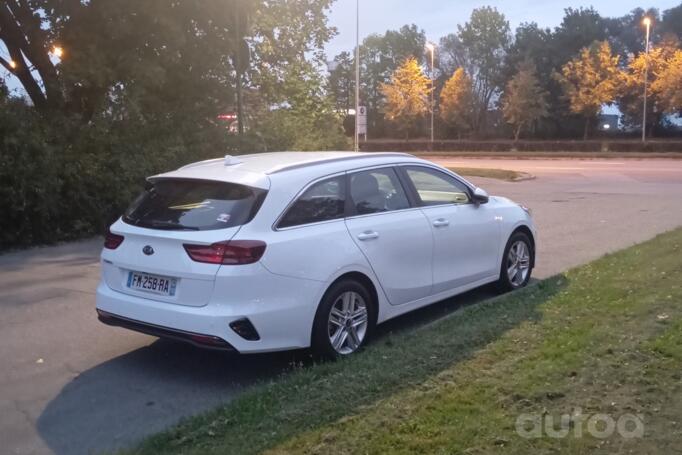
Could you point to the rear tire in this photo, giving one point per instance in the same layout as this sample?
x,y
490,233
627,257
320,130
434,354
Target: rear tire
x,y
344,320
517,263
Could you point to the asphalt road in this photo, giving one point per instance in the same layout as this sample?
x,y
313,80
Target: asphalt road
x,y
70,385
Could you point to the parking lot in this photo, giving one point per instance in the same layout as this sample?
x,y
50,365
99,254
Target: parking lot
x,y
71,385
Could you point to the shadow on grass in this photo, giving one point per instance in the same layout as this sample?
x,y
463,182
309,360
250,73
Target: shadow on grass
x,y
145,391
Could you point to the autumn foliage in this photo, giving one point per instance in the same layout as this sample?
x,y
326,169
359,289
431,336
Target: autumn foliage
x,y
457,102
407,95
524,100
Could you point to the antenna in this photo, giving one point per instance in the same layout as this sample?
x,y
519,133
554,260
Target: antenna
x,y
231,160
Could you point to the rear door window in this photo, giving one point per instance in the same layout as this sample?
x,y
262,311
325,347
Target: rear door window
x,y
376,191
197,205
323,201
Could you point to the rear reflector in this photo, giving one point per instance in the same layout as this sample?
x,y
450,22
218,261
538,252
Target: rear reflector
x,y
112,241
207,341
245,329
234,252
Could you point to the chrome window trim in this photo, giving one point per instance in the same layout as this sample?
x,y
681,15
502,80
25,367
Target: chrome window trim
x,y
408,209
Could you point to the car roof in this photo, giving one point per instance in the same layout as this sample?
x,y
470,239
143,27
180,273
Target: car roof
x,y
256,169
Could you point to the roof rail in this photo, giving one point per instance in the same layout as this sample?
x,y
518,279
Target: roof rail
x,y
303,164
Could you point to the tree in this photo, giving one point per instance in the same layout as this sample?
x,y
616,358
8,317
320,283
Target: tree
x,y
407,95
453,55
380,56
524,100
630,96
669,85
590,80
28,44
485,39
672,21
241,21
341,82
579,28
457,102
625,34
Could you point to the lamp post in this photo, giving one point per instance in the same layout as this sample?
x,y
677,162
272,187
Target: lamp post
x,y
647,22
357,75
432,49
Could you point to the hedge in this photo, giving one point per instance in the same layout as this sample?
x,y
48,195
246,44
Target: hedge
x,y
591,146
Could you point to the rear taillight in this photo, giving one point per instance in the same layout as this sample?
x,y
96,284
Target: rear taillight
x,y
235,252
112,241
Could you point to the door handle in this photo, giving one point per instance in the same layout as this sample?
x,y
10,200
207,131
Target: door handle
x,y
441,222
368,235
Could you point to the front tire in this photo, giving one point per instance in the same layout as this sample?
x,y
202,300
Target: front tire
x,y
343,320
517,263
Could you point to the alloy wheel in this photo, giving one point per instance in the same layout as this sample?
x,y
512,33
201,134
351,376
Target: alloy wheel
x,y
518,263
347,323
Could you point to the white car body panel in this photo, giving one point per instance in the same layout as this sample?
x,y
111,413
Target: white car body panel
x,y
401,264
466,244
411,263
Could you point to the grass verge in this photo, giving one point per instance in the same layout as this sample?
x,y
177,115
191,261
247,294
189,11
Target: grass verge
x,y
605,338
499,174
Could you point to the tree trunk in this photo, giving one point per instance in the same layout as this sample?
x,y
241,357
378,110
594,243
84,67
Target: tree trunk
x,y
22,73
517,133
587,128
240,109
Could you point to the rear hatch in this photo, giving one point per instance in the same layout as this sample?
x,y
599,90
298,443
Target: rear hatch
x,y
151,261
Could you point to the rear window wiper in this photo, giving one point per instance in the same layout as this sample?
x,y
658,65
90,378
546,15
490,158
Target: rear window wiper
x,y
170,226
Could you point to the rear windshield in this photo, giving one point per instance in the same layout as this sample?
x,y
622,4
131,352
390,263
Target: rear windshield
x,y
196,205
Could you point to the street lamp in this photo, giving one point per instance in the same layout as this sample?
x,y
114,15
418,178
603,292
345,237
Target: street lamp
x,y
647,23
57,51
432,49
13,64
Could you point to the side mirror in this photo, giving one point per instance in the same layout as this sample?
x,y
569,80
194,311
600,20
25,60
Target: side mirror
x,y
480,196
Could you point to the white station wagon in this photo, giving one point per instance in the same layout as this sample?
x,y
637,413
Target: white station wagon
x,y
289,250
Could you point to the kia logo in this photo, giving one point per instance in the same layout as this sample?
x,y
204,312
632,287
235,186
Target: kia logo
x,y
148,250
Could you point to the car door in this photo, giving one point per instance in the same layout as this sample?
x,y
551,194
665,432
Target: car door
x,y
394,236
466,235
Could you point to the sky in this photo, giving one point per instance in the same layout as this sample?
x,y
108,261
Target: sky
x,y
440,17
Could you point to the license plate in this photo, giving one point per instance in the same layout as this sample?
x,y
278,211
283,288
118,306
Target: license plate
x,y
152,283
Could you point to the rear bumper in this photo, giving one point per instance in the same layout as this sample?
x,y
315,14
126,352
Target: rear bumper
x,y
281,310
197,339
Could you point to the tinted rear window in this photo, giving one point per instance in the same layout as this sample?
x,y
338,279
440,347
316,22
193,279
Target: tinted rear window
x,y
197,205
324,201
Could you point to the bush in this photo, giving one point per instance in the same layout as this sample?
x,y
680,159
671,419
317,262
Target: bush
x,y
62,179
285,129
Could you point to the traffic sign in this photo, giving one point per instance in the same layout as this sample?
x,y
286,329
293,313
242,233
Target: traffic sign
x,y
362,120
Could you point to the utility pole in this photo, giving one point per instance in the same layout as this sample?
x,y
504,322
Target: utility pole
x,y
432,48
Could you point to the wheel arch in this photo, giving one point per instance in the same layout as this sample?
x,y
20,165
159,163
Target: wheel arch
x,y
361,278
